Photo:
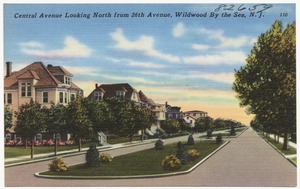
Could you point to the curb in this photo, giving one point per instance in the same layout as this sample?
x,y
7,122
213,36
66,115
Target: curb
x,y
278,151
132,177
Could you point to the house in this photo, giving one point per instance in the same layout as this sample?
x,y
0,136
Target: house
x,y
120,90
43,84
191,116
195,113
189,119
172,112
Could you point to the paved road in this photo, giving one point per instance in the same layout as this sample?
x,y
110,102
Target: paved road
x,y
245,161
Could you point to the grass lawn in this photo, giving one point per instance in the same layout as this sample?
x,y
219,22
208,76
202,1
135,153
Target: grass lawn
x,y
11,152
289,151
294,160
139,163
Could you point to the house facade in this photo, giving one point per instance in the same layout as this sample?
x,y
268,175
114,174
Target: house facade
x,y
43,84
172,112
191,116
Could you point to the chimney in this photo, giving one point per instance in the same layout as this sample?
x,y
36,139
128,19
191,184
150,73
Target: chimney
x,y
8,68
49,65
96,85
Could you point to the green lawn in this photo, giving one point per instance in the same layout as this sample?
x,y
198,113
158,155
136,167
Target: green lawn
x,y
294,160
11,152
139,163
289,151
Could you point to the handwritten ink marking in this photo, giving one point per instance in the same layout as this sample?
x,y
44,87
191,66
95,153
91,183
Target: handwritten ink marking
x,y
255,10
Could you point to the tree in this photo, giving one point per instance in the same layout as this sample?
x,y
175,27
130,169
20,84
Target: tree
x,y
266,85
204,124
99,114
78,122
30,121
170,126
56,121
7,118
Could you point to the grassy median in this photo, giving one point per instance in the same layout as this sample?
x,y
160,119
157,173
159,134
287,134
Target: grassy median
x,y
146,162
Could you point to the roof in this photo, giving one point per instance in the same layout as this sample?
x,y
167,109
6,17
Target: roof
x,y
58,70
109,90
38,71
190,117
144,98
194,111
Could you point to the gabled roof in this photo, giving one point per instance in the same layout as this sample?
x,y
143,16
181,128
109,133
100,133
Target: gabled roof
x,y
38,71
144,98
194,111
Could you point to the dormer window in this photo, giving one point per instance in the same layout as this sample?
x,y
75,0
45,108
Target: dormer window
x,y
26,89
98,95
120,94
67,80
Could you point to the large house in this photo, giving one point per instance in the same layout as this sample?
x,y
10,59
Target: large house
x,y
43,84
173,112
126,91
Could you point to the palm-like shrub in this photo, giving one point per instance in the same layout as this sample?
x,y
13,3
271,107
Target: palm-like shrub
x,y
190,140
181,154
219,139
58,165
159,145
171,162
92,156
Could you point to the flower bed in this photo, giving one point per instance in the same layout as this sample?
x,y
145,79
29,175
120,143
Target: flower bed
x,y
39,143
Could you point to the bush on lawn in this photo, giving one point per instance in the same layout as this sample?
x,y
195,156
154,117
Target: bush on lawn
x,y
105,158
171,163
209,134
193,154
92,156
232,131
181,154
58,165
190,140
159,145
219,139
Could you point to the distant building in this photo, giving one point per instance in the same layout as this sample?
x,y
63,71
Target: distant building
x,y
173,112
191,116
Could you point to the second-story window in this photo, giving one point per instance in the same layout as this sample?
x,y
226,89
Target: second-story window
x,y
97,96
120,94
67,80
25,89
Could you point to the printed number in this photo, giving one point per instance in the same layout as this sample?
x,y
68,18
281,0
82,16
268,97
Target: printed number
x,y
284,14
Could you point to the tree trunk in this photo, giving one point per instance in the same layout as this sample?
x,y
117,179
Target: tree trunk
x,y
79,144
142,135
25,142
32,147
286,140
55,145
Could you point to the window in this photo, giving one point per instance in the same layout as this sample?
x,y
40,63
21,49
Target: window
x,y
45,97
194,114
61,97
38,137
4,98
191,122
66,97
67,80
120,94
9,98
25,89
73,97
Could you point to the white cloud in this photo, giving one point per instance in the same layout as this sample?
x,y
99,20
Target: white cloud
x,y
225,58
148,65
227,42
82,70
144,44
72,49
178,30
200,47
127,79
32,44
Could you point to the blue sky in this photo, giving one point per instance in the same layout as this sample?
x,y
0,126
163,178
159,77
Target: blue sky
x,y
186,61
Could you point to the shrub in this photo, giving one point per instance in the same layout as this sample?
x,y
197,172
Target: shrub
x,y
209,134
92,156
171,163
193,154
159,145
58,165
219,139
232,130
105,158
181,154
190,140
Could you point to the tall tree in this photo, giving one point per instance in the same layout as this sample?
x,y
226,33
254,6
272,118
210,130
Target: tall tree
x,y
266,85
7,118
204,124
56,121
170,125
78,122
30,121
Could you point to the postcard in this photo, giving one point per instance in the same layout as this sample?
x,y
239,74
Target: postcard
x,y
149,94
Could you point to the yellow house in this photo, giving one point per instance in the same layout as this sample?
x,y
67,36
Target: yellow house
x,y
43,84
